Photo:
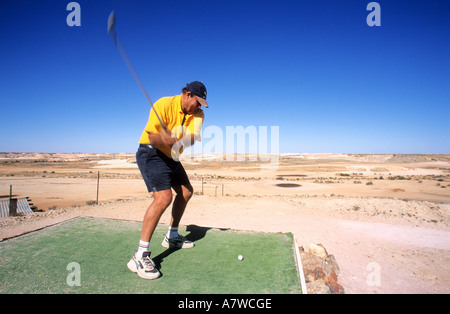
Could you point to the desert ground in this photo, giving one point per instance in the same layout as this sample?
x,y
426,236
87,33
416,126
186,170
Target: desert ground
x,y
385,218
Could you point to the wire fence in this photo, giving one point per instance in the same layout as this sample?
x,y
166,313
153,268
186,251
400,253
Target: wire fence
x,y
101,181
216,189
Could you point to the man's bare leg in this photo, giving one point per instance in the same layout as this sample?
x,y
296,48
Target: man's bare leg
x,y
161,201
141,263
173,239
184,194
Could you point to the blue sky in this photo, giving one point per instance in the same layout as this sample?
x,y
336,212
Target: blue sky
x,y
312,67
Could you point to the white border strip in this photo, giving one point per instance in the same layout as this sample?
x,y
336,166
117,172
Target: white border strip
x,y
301,275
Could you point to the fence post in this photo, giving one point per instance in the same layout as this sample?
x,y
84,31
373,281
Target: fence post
x,y
10,197
13,207
12,203
98,182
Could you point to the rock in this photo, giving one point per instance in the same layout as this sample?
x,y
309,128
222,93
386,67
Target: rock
x,y
317,250
316,274
311,262
321,274
327,279
317,287
336,288
331,260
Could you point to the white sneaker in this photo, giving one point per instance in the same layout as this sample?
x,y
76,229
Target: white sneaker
x,y
144,267
178,242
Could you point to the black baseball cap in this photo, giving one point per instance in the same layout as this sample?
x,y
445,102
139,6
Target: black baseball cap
x,y
198,89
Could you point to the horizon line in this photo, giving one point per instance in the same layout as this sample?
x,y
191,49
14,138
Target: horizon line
x,y
222,153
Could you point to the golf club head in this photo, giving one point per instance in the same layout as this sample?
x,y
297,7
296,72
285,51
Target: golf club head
x,y
111,22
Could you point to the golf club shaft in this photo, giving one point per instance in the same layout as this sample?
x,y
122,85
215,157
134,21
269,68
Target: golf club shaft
x,y
133,71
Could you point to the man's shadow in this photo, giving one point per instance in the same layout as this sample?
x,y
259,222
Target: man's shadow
x,y
195,233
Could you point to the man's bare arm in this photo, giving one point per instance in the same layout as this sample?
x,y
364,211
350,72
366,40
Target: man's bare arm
x,y
163,139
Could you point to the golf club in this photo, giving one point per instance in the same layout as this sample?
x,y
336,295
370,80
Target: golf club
x,y
113,34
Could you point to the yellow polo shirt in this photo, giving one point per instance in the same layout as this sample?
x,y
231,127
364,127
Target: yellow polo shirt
x,y
178,123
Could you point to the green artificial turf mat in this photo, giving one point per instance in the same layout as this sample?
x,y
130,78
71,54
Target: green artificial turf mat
x,y
94,252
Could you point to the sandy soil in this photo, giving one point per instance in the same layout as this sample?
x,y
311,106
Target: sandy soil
x,y
386,218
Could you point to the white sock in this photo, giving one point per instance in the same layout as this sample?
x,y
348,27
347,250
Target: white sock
x,y
143,247
173,232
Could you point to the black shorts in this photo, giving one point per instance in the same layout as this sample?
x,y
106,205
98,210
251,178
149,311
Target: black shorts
x,y
159,171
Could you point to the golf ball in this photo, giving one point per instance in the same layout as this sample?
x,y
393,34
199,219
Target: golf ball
x,y
240,257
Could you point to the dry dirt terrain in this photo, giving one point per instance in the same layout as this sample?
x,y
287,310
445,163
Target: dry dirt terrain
x,y
385,218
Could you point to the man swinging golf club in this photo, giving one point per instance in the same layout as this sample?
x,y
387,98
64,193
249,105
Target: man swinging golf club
x,y
174,123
